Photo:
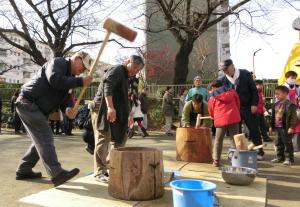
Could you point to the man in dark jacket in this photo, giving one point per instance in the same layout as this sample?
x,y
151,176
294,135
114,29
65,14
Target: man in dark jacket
x,y
242,82
110,111
43,94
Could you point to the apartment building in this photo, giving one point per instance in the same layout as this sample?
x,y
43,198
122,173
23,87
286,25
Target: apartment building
x,y
22,67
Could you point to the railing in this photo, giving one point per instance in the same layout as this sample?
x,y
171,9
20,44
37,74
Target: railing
x,y
155,91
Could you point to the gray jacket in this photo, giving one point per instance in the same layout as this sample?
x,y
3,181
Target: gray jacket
x,y
168,104
115,84
49,88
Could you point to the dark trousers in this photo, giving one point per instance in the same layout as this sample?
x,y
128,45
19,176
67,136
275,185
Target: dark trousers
x,y
38,129
262,125
251,123
17,122
68,125
284,145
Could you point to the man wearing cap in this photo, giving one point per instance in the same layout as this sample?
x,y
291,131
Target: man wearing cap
x,y
110,111
43,94
242,82
197,90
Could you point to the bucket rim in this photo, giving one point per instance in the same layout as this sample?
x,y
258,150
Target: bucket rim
x,y
214,186
243,151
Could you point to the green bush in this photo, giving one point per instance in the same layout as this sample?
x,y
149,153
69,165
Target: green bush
x,y
155,116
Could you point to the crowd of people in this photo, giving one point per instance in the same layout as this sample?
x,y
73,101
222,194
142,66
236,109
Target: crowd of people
x,y
58,121
109,119
235,104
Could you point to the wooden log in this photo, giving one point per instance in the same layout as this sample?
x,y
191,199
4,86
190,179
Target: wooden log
x,y
240,141
136,173
194,145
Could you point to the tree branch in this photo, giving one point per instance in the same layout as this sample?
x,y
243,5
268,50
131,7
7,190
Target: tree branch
x,y
13,43
226,14
51,14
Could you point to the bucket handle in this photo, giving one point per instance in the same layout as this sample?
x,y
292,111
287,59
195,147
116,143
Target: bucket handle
x,y
230,155
217,202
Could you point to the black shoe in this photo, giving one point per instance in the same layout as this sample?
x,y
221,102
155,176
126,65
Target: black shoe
x,y
145,134
89,150
29,175
64,176
267,139
130,133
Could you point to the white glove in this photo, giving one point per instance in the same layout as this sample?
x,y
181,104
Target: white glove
x,y
91,105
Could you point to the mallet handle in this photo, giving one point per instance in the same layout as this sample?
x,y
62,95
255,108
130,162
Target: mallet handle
x,y
205,117
93,68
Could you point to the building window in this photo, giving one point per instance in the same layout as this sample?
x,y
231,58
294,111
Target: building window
x,y
2,66
2,52
26,74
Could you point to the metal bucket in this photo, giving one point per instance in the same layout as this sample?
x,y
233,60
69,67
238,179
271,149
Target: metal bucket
x,y
243,158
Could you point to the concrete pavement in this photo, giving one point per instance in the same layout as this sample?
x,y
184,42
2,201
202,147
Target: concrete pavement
x,y
283,188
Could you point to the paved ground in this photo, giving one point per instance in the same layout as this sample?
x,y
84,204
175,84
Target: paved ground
x,y
283,187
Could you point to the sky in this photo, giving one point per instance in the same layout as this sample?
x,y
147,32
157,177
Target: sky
x,y
269,62
275,49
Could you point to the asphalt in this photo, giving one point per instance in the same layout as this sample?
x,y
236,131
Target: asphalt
x,y
283,187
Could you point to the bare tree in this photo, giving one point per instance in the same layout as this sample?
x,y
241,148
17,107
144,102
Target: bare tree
x,y
62,25
187,20
201,57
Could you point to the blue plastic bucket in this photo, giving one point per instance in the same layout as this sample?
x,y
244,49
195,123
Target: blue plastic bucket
x,y
243,158
193,193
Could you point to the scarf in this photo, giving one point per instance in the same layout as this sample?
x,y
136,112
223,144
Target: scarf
x,y
234,80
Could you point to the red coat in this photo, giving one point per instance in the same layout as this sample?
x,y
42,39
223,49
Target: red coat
x,y
224,107
260,105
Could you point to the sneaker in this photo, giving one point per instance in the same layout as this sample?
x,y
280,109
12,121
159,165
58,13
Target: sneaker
x,y
287,163
276,160
29,175
64,176
102,178
260,158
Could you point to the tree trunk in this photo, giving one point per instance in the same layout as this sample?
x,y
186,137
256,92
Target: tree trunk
x,y
182,62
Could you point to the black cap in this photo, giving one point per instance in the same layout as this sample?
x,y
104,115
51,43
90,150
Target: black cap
x,y
225,64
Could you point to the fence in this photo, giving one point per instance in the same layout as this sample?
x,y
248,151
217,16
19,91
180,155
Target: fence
x,y
155,91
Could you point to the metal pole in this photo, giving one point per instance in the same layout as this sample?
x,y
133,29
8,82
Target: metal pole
x,y
254,61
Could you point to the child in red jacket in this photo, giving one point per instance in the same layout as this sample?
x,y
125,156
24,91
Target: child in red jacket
x,y
224,108
260,118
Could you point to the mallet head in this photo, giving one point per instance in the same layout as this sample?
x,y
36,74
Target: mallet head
x,y
119,29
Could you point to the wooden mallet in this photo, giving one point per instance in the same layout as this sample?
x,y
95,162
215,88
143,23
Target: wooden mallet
x,y
112,27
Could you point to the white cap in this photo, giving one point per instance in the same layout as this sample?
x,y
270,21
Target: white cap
x,y
86,59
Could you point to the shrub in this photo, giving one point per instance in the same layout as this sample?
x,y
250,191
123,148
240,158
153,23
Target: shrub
x,y
155,116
